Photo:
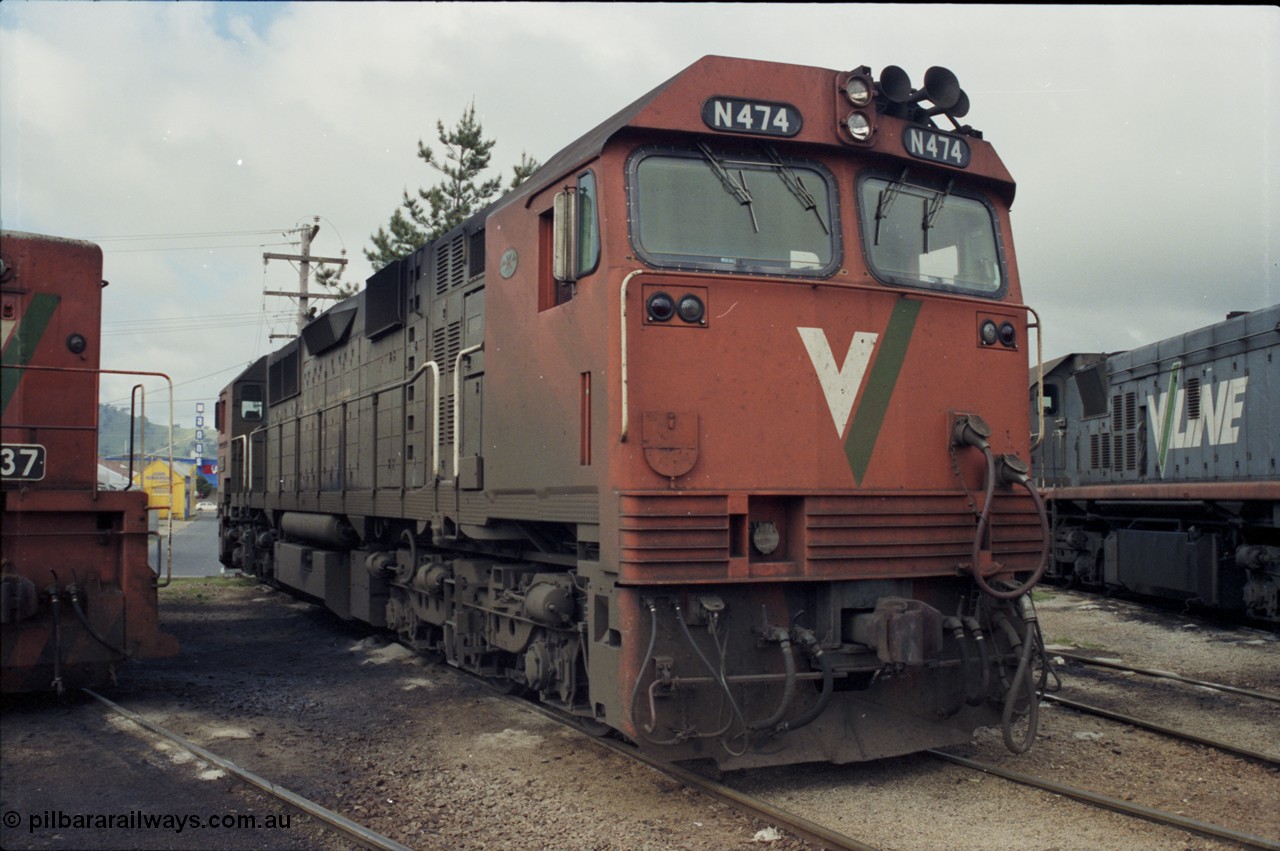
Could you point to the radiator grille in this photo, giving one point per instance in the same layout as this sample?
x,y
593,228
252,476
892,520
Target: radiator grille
x,y
692,538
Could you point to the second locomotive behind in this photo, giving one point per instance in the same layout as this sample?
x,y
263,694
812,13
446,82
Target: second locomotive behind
x,y
709,433
1160,465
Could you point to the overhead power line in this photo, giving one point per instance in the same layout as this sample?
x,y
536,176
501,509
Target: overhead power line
x,y
193,235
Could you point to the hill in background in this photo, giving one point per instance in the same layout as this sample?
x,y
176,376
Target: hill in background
x,y
113,437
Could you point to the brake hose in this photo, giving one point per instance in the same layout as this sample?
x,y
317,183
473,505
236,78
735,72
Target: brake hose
x,y
984,660
646,729
57,636
984,520
1024,674
828,686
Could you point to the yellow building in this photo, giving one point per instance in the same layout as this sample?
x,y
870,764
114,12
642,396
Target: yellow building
x,y
166,488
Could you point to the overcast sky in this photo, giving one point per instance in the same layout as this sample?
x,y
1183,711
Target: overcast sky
x,y
187,138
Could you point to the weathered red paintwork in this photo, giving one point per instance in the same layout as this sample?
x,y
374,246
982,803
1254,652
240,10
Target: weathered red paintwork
x,y
741,390
60,532
589,530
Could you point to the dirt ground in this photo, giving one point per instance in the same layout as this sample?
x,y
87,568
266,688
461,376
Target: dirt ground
x,y
338,715
432,760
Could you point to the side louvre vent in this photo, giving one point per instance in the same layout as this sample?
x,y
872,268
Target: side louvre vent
x,y
475,254
451,270
1124,425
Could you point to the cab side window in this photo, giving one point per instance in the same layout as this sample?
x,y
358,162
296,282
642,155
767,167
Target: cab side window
x,y
251,403
588,225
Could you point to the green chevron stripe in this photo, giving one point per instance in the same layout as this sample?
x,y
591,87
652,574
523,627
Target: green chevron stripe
x,y
22,345
891,353
1170,402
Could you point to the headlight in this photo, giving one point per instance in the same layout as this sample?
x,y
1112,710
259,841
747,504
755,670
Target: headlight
x,y
988,333
691,308
661,307
859,126
1008,335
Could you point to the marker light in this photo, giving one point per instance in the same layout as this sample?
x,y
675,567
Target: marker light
x,y
691,308
661,307
858,90
76,343
859,126
988,333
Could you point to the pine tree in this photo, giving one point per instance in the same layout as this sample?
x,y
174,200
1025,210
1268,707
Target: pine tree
x,y
444,206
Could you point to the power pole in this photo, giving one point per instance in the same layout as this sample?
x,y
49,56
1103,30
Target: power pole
x,y
304,272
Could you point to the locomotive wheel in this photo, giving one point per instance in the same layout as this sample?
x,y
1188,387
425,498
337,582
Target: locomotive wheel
x,y
592,727
503,685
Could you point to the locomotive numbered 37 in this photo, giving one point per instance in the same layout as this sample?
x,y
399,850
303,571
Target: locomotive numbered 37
x,y
77,596
709,433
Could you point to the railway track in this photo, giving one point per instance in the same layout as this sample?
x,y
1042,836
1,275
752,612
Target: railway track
x,y
799,826
1239,697
310,726
1129,808
357,833
828,838
793,823
1169,675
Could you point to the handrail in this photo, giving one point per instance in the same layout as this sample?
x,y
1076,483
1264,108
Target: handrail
x,y
244,461
622,336
1039,377
457,406
168,567
168,562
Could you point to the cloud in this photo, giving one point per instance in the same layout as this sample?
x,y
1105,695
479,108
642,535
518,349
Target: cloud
x,y
1141,139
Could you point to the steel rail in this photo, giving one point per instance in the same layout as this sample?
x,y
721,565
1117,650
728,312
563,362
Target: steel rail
x,y
794,824
1258,756
356,832
1201,828
1169,675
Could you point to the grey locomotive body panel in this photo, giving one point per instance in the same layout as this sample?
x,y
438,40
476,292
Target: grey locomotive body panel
x,y
1199,407
351,412
1160,466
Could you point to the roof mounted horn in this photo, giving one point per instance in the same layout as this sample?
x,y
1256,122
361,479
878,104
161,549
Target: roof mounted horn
x,y
941,87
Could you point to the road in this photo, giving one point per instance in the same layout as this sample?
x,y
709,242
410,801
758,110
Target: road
x,y
195,545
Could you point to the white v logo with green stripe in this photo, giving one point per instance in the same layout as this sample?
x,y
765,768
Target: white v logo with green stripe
x,y
1165,413
873,359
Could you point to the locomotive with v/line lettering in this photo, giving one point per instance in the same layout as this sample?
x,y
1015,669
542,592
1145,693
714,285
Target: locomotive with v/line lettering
x,y
1159,465
711,433
77,595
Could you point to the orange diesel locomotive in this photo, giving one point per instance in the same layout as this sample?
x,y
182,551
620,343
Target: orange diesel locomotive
x,y
708,433
77,597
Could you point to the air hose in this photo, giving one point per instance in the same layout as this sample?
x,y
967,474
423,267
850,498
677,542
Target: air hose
x,y
811,646
1027,676
57,636
1012,474
780,635
984,661
73,594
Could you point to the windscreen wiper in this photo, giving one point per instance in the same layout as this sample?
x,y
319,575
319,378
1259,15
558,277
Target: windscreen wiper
x,y
793,182
931,209
736,188
885,201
